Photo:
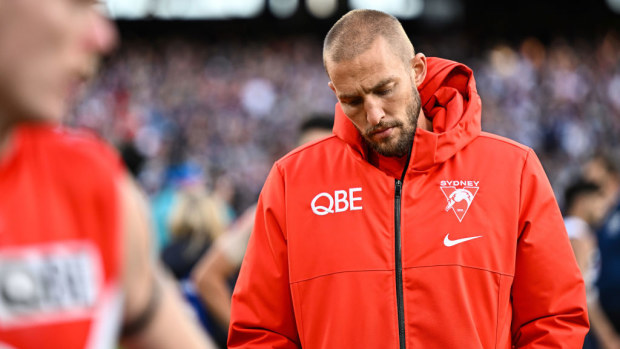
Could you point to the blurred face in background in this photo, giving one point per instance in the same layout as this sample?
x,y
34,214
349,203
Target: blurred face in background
x,y
48,48
598,171
595,207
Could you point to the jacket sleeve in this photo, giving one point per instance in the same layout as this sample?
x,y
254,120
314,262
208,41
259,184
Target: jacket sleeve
x,y
262,311
548,293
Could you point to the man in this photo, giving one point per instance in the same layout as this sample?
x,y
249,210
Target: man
x,y
409,228
223,260
606,306
69,211
603,301
584,208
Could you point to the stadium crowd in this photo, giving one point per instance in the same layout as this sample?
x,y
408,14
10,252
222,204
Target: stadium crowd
x,y
233,107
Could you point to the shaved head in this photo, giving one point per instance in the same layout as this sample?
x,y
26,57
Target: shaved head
x,y
354,33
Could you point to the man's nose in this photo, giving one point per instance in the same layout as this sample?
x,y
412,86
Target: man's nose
x,y
374,111
102,36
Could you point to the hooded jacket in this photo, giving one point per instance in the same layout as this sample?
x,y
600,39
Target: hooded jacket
x,y
466,250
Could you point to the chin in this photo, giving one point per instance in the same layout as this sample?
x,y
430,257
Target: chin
x,y
388,151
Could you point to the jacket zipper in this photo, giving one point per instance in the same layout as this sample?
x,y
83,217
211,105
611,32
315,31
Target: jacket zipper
x,y
399,266
398,189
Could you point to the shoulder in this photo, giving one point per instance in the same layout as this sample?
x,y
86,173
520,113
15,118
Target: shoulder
x,y
71,158
494,146
312,152
80,149
505,143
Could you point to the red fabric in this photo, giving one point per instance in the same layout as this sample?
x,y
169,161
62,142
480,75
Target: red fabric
x,y
319,274
59,202
392,166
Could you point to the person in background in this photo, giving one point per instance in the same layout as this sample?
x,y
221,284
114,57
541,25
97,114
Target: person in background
x,y
213,275
603,170
409,227
194,223
179,175
223,193
604,301
75,266
584,208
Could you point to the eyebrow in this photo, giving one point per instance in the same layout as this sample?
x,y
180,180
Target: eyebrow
x,y
378,85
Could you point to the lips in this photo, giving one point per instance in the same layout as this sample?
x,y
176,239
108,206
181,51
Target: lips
x,y
382,133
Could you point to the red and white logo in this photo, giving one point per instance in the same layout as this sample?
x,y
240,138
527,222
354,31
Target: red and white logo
x,y
459,196
341,201
49,283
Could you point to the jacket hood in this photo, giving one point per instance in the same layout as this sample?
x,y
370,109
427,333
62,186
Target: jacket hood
x,y
450,99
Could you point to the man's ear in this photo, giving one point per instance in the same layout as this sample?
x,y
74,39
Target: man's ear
x,y
331,86
418,65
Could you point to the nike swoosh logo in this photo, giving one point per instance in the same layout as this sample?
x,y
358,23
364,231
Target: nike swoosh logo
x,y
448,242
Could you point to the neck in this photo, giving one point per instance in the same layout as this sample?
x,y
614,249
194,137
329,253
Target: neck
x,y
391,165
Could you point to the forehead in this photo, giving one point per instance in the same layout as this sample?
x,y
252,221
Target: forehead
x,y
376,64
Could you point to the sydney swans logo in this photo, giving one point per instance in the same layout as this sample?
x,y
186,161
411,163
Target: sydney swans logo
x,y
459,195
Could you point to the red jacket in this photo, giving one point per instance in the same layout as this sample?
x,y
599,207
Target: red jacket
x,y
468,250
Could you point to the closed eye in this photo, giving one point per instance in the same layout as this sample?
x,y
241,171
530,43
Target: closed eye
x,y
384,92
353,102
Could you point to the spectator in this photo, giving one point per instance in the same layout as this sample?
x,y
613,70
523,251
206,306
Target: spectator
x,y
194,223
604,307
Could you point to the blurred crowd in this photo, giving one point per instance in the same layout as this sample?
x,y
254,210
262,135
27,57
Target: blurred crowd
x,y
229,109
562,99
232,107
200,123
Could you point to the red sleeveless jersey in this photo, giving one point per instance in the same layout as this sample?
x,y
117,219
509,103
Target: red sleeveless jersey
x,y
60,246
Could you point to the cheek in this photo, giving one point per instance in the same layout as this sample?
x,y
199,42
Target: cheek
x,y
43,62
357,116
30,37
405,103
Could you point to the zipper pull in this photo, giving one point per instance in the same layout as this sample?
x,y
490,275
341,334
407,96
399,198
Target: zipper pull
x,y
399,185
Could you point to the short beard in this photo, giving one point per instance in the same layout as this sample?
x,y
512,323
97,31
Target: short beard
x,y
405,140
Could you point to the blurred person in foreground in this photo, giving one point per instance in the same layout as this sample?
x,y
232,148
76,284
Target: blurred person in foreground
x,y
213,275
74,241
409,227
604,302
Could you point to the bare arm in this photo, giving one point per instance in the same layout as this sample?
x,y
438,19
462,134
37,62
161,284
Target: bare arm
x,y
219,264
150,297
211,278
605,333
608,338
584,248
